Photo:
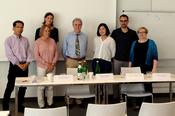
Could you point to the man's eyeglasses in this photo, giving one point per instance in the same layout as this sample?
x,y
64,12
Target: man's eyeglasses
x,y
123,20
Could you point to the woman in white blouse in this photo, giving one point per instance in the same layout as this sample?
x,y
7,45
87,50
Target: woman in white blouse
x,y
104,49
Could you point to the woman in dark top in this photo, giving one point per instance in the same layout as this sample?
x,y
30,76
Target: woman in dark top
x,y
140,56
48,20
144,54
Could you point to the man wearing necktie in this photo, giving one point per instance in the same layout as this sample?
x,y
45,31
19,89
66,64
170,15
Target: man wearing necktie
x,y
75,45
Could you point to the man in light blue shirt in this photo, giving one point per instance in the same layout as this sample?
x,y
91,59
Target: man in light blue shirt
x,y
75,45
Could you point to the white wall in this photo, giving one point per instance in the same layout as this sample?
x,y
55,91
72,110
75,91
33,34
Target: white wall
x,y
163,5
134,5
146,5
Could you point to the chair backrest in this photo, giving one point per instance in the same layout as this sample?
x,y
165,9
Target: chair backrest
x,y
60,111
4,113
131,87
78,89
125,70
106,109
157,109
71,71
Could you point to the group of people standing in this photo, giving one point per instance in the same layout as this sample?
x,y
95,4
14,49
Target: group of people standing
x,y
123,48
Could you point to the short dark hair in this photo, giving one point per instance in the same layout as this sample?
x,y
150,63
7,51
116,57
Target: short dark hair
x,y
123,15
46,15
18,21
105,26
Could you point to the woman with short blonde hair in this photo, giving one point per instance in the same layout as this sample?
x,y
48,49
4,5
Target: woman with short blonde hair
x,y
46,56
144,54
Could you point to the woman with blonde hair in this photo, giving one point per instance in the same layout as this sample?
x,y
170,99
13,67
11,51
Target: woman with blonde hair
x,y
144,54
46,56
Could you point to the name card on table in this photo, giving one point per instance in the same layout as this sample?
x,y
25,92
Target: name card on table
x,y
161,75
63,77
134,76
104,76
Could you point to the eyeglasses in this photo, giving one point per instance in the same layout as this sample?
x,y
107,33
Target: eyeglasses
x,y
124,21
141,32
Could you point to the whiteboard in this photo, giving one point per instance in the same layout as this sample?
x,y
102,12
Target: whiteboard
x,y
92,12
161,27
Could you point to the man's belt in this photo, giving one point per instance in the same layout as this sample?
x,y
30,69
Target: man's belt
x,y
23,62
76,58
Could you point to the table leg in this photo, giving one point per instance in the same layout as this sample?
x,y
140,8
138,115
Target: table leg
x,y
99,94
16,101
171,91
96,94
106,94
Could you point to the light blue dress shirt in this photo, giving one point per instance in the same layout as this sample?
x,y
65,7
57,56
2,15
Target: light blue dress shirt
x,y
69,45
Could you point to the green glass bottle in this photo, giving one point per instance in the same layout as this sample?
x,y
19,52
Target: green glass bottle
x,y
84,69
97,68
79,71
85,66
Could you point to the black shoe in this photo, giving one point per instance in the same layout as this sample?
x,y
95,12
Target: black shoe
x,y
21,109
116,100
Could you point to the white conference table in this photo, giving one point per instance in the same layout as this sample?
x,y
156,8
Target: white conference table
x,y
117,79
